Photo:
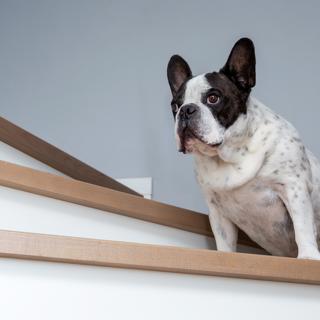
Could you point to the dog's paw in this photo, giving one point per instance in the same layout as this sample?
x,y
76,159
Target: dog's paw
x,y
313,256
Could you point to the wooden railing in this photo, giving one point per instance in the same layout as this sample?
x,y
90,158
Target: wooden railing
x,y
43,151
23,245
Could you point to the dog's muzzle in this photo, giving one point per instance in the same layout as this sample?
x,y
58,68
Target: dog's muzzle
x,y
189,128
187,117
186,123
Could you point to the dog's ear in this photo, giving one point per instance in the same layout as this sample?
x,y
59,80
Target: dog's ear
x,y
178,71
241,64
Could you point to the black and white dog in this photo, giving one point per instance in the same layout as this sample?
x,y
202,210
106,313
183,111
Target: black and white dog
x,y
253,168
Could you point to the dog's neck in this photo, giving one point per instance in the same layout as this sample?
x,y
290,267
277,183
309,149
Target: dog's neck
x,y
231,164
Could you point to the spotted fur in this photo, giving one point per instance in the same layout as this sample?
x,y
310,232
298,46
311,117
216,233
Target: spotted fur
x,y
259,178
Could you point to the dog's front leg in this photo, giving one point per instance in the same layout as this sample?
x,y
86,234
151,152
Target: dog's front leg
x,y
297,199
224,231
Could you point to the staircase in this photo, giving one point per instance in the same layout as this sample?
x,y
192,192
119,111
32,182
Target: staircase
x,y
76,244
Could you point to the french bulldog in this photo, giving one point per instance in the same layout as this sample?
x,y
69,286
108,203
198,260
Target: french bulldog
x,y
253,168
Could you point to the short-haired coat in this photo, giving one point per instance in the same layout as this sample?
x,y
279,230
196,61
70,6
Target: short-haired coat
x,y
251,164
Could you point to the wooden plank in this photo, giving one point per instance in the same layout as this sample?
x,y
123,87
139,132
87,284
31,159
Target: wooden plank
x,y
37,148
62,188
118,254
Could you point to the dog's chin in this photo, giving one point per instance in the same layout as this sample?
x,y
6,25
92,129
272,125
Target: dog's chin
x,y
195,145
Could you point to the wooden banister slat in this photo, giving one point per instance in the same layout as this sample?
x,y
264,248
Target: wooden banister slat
x,y
41,150
62,188
108,253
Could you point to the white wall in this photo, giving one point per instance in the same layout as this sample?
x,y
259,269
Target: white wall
x,y
10,154
141,185
39,290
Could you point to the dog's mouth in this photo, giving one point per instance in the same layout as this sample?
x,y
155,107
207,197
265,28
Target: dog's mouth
x,y
188,139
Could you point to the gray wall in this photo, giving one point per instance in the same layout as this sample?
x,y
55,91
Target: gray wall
x,y
90,76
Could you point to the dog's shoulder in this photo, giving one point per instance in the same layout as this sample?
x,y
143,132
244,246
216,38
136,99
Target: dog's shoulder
x,y
267,129
286,157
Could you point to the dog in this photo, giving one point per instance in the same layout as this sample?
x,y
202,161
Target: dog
x,y
254,171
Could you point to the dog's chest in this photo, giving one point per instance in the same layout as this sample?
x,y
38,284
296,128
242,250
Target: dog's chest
x,y
251,204
256,209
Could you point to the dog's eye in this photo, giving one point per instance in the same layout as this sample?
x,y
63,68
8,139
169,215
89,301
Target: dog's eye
x,y
175,107
212,99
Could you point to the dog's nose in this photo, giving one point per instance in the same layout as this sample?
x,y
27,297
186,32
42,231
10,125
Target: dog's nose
x,y
187,111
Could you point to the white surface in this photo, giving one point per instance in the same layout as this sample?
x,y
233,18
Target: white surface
x,y
10,154
141,185
24,211
40,290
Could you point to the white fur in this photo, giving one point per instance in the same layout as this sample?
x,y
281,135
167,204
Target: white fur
x,y
261,180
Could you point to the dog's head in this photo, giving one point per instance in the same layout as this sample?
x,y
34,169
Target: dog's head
x,y
205,106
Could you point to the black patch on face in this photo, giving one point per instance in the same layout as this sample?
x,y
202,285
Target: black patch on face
x,y
232,100
234,81
232,84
